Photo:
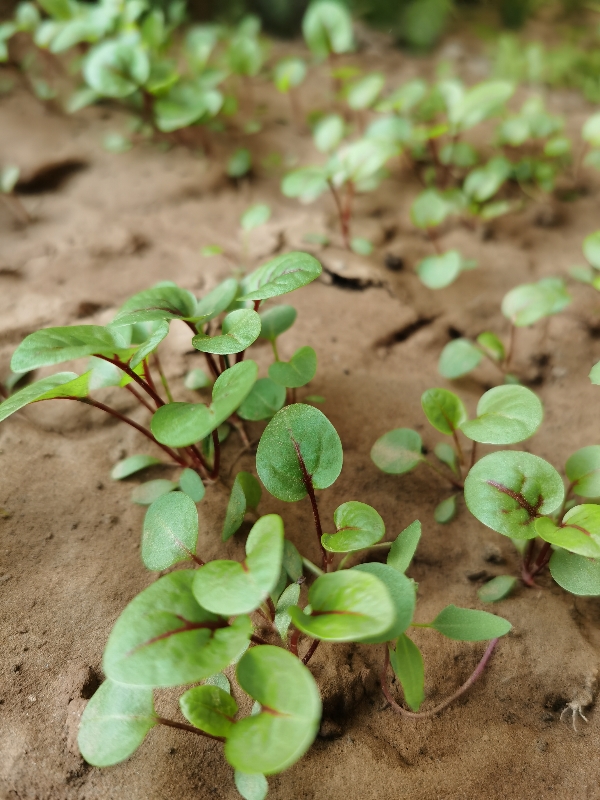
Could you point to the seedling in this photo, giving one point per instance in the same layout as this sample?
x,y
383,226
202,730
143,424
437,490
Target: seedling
x,y
505,415
327,29
192,624
288,75
124,353
522,306
589,273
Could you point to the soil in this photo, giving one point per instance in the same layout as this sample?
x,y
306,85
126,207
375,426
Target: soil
x,y
70,536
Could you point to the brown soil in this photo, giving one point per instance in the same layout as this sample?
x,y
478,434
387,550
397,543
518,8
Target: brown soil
x,y
70,536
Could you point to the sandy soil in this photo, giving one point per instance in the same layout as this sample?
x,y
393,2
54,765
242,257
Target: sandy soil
x,y
69,536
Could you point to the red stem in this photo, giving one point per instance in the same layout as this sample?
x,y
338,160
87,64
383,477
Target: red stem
x,y
134,377
170,723
139,397
310,652
308,485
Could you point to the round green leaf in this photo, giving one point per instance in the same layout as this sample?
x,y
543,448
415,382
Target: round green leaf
x,y
217,300
492,344
240,329
446,510
281,275
329,132
182,424
578,533
361,246
327,28
346,606
505,415
298,442
292,561
482,183
230,588
364,93
164,638
251,787
480,102
458,358
277,320
358,526
231,389
298,371
447,455
197,379
508,490
429,210
398,451
404,598
255,216
576,574
165,301
264,400
209,708
583,470
468,625
289,73
444,410
150,345
170,531
54,345
245,493
526,304
437,272
289,716
129,466
289,597
146,493
306,183
115,722
191,484
116,67
497,589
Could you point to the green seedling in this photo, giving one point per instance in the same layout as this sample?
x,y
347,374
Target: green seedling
x,y
522,306
589,273
288,75
224,323
327,29
257,617
9,177
505,415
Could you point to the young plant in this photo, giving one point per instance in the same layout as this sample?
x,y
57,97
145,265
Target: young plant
x,y
522,306
505,415
327,29
124,353
253,618
288,75
589,273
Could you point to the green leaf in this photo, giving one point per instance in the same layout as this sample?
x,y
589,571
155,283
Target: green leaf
x,y
197,379
404,547
358,526
62,384
185,103
251,787
329,132
116,67
578,533
437,272
398,451
306,183
218,300
164,638
482,183
361,246
255,216
497,589
505,415
191,484
446,510
526,304
447,455
576,574
54,345
490,342
363,94
444,410
170,531
245,493
289,73
183,424
115,722
508,490
468,625
281,275
595,374
429,210
402,592
298,438
327,28
458,358
591,249
289,597
129,466
298,371
9,177
240,163
230,588
209,708
285,727
583,470
165,301
292,561
407,663
480,102
240,329
277,320
150,345
146,493
346,606
264,400
590,132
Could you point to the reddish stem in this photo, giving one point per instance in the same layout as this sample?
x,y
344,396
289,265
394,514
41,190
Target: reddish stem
x,y
294,642
461,690
170,723
308,485
134,377
310,652
139,397
341,215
